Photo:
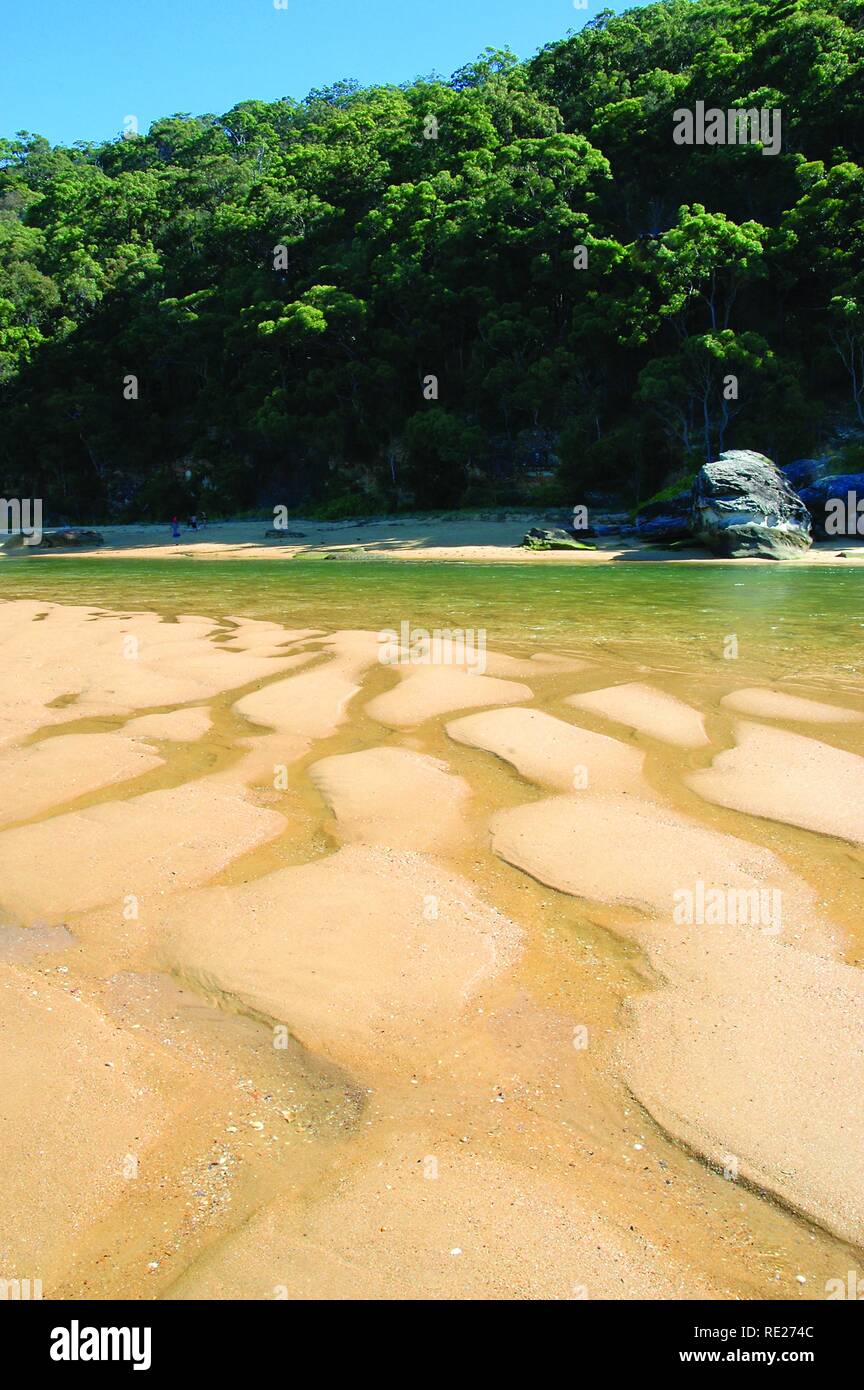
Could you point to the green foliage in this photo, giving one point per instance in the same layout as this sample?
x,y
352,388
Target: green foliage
x,y
283,279
673,489
350,504
440,450
613,463
849,458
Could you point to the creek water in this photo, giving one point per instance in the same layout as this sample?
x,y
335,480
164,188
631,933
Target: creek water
x,y
786,621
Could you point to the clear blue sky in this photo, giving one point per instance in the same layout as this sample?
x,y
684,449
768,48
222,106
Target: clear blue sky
x,y
74,69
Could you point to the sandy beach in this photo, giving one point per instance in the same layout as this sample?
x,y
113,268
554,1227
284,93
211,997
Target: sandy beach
x,y
475,536
328,978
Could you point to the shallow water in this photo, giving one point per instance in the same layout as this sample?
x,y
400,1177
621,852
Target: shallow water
x,y
788,621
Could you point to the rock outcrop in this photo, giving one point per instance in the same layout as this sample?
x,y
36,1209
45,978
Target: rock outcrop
x,y
667,519
833,505
553,538
742,505
69,538
801,473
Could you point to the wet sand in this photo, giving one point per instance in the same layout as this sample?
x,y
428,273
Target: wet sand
x,y
329,979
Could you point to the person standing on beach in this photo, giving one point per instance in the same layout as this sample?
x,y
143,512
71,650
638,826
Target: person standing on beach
x,y
175,528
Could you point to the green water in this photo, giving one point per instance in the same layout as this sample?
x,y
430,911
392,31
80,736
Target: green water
x,y
804,621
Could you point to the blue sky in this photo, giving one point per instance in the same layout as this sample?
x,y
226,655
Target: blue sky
x,y
75,69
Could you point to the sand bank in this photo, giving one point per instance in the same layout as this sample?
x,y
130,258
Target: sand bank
x,y
469,1227
367,956
648,710
46,774
753,1053
182,725
629,852
778,704
426,692
788,777
393,797
79,1098
550,752
148,846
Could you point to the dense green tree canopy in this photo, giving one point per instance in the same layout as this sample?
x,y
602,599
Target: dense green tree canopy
x,y
440,292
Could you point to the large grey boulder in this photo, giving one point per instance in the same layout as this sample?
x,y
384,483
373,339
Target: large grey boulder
x,y
742,505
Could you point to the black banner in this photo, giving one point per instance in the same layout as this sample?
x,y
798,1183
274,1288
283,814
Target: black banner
x,y
83,1339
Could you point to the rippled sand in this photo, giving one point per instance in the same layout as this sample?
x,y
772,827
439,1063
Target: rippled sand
x,y
323,978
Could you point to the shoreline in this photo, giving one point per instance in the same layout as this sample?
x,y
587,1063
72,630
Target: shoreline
x,y
478,539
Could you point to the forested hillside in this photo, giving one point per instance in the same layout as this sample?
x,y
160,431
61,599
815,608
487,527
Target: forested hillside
x,y
283,281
